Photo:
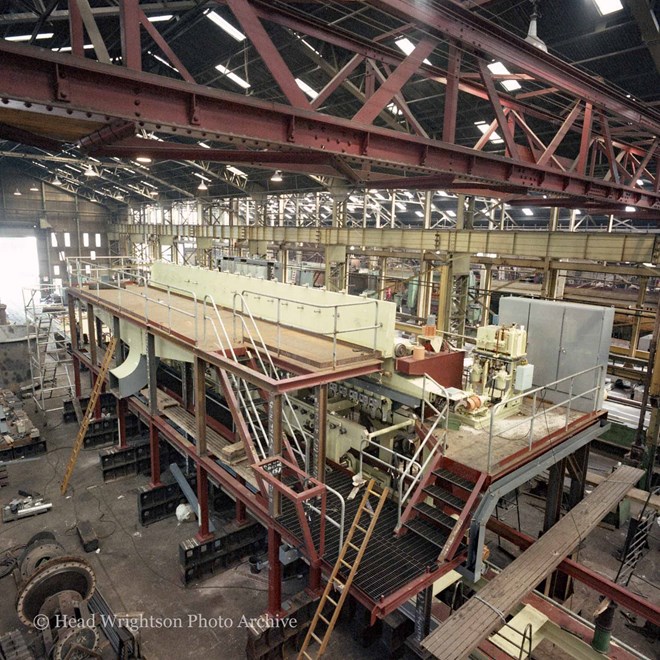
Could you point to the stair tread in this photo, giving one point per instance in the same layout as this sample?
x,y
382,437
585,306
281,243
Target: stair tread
x,y
439,493
436,515
454,478
427,531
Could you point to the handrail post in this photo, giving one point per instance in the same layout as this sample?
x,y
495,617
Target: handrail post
x,y
334,339
570,396
490,438
531,424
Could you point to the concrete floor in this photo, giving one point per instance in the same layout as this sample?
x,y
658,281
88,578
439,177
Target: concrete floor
x,y
137,568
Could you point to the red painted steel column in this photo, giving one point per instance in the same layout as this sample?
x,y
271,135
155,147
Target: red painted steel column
x,y
314,580
241,513
122,411
76,29
203,533
129,25
155,454
274,574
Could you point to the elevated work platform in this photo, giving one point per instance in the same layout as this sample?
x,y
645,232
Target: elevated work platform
x,y
459,635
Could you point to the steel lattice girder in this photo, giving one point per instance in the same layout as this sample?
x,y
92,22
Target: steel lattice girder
x,y
60,85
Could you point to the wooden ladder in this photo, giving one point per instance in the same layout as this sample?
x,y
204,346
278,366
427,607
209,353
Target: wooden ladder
x,y
82,431
336,580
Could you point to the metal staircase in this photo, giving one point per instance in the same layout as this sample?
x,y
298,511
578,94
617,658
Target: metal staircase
x,y
440,510
343,573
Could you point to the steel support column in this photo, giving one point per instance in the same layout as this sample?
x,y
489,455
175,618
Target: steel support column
x,y
203,534
555,494
122,411
320,423
152,384
200,405
274,574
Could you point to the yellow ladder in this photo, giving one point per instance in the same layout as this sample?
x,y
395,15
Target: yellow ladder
x,y
96,392
336,580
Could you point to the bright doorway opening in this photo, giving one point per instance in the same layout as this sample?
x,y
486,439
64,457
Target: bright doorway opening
x,y
19,267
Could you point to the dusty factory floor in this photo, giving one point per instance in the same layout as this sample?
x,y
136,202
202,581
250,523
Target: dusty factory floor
x,y
137,568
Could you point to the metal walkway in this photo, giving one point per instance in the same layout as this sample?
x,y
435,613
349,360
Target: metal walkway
x,y
461,633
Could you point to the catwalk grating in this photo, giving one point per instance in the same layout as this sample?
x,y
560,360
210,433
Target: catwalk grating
x,y
389,562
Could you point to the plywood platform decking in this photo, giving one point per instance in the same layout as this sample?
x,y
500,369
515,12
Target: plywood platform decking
x,y
461,633
469,446
192,321
214,441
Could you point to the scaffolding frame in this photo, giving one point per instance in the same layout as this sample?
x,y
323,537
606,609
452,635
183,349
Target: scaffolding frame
x,y
48,333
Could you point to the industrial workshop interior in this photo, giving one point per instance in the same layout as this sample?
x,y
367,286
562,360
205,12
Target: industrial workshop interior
x,y
329,328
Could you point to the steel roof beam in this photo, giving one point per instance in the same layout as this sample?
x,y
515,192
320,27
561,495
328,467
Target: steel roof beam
x,y
60,85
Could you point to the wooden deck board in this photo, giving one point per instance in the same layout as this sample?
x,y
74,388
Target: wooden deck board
x,y
193,321
459,635
214,441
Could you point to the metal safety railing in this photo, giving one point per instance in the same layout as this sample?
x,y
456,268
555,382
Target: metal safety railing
x,y
496,429
315,308
431,444
117,273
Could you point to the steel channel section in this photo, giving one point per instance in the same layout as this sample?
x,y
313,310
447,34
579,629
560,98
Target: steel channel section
x,y
188,492
633,248
71,87
513,480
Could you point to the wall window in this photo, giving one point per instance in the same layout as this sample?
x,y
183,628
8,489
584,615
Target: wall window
x,y
92,255
67,239
53,239
86,239
56,271
98,240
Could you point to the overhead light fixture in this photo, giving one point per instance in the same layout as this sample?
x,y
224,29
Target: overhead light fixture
x,y
56,181
500,70
90,171
202,186
532,38
528,212
143,159
34,188
27,37
17,192
406,46
277,176
606,7
629,209
153,193
226,26
310,91
233,77
450,213
68,49
119,197
160,19
203,144
235,170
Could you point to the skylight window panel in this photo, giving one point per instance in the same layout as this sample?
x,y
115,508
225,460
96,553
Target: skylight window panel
x,y
606,7
406,46
500,70
311,92
527,212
